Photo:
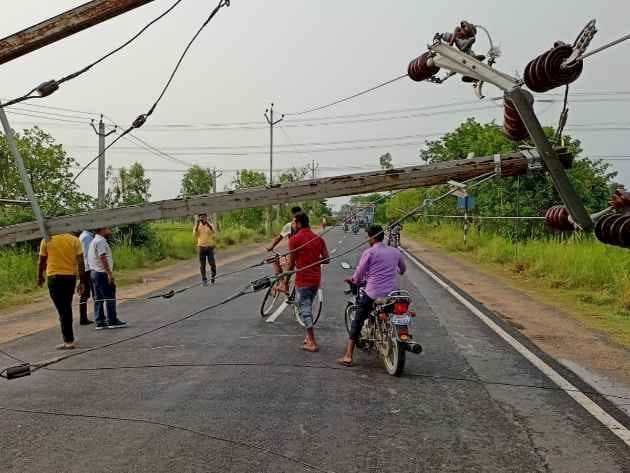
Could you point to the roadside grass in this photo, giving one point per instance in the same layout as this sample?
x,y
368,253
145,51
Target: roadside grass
x,y
174,242
578,274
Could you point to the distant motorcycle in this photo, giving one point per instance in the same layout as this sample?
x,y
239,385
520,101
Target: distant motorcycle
x,y
386,330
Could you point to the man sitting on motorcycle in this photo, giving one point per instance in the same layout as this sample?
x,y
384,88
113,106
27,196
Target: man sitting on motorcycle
x,y
378,268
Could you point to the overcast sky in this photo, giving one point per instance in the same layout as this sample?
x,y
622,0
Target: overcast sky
x,y
300,54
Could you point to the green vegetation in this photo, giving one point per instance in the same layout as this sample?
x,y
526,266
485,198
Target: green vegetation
x,y
169,242
578,273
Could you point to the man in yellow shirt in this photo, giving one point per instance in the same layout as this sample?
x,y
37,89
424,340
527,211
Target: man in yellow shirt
x,y
204,232
60,261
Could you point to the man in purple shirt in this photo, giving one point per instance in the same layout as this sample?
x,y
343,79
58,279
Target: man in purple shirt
x,y
378,267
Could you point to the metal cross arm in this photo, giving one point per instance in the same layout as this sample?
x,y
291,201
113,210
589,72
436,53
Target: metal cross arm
x,y
442,55
449,57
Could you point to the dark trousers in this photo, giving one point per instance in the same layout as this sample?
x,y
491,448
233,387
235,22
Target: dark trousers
x,y
104,296
364,306
61,289
88,291
206,253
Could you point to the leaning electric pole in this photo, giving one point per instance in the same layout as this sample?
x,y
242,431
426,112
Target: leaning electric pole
x,y
102,134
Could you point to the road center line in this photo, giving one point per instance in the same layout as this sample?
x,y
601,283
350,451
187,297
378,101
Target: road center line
x,y
589,405
272,318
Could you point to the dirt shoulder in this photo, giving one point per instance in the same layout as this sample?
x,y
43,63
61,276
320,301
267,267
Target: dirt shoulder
x,y
19,321
589,353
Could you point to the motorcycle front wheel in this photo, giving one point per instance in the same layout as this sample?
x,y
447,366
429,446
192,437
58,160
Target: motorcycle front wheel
x,y
351,310
394,359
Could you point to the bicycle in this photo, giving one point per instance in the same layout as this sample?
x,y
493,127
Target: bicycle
x,y
272,300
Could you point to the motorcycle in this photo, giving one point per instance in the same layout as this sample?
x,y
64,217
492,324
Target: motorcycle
x,y
386,331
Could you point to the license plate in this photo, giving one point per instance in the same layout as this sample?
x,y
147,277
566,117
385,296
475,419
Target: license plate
x,y
401,320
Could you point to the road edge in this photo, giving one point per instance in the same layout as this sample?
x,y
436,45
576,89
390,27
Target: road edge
x,y
601,408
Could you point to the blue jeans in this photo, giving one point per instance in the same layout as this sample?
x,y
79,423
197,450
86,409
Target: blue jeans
x,y
305,298
103,290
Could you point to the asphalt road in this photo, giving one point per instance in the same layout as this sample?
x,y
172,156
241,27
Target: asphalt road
x,y
264,405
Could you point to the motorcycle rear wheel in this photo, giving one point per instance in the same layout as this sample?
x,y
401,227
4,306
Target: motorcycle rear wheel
x,y
394,359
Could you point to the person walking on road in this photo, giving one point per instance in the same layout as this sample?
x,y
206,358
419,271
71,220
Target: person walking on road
x,y
60,261
205,234
379,267
85,238
101,263
307,253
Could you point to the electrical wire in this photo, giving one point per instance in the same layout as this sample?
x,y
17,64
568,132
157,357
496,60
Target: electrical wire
x,y
328,368
85,69
345,99
603,48
135,420
141,119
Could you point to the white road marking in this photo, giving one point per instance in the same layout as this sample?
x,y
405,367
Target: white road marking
x,y
272,318
333,251
591,407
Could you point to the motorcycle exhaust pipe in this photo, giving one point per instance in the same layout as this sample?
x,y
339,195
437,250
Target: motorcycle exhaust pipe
x,y
413,347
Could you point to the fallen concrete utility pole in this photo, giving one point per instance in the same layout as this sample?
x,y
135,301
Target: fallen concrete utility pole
x,y
350,184
63,25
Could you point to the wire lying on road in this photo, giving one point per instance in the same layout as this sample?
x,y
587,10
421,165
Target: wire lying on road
x,y
246,364
134,420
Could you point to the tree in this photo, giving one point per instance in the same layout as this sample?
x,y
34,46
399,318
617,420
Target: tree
x,y
249,178
529,195
51,170
386,161
129,187
196,181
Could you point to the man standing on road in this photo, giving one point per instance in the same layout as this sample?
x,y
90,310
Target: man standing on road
x,y
101,263
60,260
205,234
288,230
85,238
378,267
307,253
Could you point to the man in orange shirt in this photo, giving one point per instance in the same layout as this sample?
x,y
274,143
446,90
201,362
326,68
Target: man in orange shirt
x,y
60,261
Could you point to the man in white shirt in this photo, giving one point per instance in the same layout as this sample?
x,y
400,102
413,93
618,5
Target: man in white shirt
x,y
85,238
101,262
287,230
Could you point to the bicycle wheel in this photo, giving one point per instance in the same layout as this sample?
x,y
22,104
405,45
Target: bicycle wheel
x,y
269,302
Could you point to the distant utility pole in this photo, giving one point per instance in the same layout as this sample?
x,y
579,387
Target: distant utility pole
x,y
313,168
102,134
270,120
269,117
214,175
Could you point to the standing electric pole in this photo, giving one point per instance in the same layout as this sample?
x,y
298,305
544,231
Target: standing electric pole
x,y
102,134
214,175
313,168
271,122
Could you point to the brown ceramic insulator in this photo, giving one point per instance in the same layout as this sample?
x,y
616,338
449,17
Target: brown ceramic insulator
x,y
419,69
513,126
557,217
